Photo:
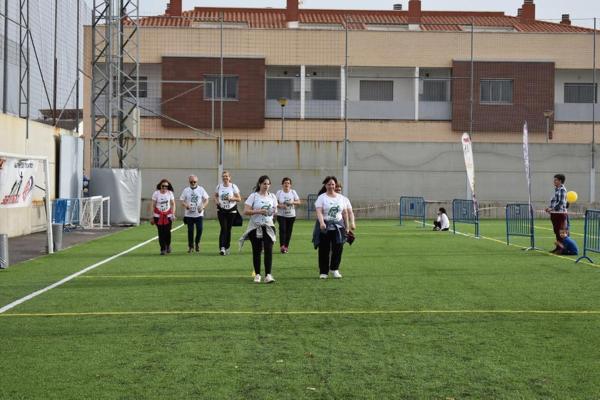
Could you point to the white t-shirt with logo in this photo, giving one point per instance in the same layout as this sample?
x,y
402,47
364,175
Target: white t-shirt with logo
x,y
348,206
194,199
282,198
225,192
332,206
163,200
444,221
258,202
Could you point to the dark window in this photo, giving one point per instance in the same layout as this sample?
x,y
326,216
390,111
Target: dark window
x,y
279,87
325,89
435,90
496,91
129,87
376,90
581,93
230,87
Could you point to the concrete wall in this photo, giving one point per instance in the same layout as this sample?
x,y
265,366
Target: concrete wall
x,y
380,172
42,141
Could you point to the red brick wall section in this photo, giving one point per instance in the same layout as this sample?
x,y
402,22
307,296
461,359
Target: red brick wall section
x,y
533,93
192,109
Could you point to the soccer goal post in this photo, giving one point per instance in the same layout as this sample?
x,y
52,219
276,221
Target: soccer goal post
x,y
12,170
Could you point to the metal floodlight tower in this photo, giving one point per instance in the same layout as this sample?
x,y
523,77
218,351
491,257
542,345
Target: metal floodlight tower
x,y
24,61
115,83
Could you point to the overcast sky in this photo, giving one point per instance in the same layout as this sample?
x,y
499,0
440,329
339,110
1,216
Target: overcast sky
x,y
545,9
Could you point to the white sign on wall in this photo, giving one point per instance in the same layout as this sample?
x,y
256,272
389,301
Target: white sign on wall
x,y
17,181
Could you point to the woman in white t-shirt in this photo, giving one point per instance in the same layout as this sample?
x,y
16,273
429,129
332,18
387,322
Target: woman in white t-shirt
x,y
287,200
261,206
442,223
163,214
331,228
194,200
226,196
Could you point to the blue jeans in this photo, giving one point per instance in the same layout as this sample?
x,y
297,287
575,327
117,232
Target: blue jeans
x,y
191,223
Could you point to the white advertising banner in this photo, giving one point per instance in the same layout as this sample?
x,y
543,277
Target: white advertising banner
x,y
526,160
469,164
17,181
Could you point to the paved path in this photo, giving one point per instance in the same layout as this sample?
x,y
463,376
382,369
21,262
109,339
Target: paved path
x,y
26,247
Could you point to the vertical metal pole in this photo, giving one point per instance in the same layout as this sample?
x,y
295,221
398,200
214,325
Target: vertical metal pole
x,y
48,207
55,72
221,83
471,90
212,106
472,82
282,116
28,107
593,168
5,64
345,178
77,70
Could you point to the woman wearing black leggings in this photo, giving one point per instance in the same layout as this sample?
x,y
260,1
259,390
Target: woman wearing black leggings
x,y
261,206
227,194
287,200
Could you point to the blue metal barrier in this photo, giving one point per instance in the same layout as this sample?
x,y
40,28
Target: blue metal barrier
x,y
464,211
520,222
413,207
59,211
310,205
591,234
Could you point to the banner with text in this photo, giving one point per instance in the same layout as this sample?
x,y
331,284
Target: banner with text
x,y
17,181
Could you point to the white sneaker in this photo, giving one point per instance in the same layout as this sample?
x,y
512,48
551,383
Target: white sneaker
x,y
323,276
269,278
257,278
222,251
336,274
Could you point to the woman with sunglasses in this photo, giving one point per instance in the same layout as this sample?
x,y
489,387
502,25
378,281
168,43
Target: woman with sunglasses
x,y
226,196
194,200
163,207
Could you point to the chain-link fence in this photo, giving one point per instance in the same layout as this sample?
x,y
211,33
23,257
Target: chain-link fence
x,y
41,50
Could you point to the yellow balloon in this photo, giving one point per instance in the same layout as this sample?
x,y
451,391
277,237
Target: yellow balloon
x,y
571,196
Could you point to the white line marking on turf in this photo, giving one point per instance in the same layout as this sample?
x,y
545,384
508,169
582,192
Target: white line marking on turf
x,y
521,247
172,276
76,274
548,229
328,312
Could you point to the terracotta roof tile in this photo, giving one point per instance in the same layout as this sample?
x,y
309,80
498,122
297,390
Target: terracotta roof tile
x,y
430,20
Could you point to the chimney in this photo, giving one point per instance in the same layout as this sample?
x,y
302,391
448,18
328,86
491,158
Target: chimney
x,y
414,12
528,14
520,12
566,19
292,15
398,7
174,8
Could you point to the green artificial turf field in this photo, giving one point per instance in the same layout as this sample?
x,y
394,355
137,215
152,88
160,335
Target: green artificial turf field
x,y
417,315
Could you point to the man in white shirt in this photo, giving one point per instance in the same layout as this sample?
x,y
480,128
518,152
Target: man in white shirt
x,y
194,200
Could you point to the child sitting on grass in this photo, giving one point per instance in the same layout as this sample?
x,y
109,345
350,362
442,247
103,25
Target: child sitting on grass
x,y
567,247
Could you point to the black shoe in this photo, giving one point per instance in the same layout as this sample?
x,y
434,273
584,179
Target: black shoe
x,y
197,248
162,253
190,249
169,249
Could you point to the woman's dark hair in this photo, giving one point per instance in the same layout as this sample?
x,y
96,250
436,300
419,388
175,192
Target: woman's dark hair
x,y
286,179
560,177
325,181
167,182
260,181
443,210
